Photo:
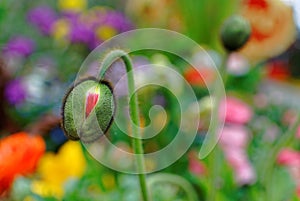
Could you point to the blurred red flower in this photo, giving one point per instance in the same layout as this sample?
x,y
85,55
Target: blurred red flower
x,y
199,77
19,155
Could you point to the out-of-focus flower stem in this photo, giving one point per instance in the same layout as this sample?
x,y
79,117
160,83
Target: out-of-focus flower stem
x,y
286,139
215,123
174,180
134,114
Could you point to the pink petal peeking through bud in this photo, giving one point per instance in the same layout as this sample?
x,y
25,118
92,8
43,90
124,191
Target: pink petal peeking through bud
x,y
92,99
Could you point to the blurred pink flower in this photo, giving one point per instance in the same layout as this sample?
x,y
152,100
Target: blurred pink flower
x,y
291,159
195,165
234,136
288,157
236,111
289,117
237,158
243,170
245,175
233,141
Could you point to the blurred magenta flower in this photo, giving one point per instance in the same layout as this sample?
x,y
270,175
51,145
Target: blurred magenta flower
x,y
43,17
20,46
15,92
236,111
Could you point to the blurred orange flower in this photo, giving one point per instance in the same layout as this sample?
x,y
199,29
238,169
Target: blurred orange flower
x,y
19,154
273,28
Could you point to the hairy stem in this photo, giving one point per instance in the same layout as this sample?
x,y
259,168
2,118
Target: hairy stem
x,y
134,114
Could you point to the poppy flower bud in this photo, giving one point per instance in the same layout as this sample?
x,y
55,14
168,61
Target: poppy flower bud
x,y
88,110
235,32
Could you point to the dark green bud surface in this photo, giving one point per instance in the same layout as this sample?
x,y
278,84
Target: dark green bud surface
x,y
235,32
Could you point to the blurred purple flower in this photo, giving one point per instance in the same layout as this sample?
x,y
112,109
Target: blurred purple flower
x,y
117,20
81,32
95,26
20,45
72,16
43,17
15,92
94,42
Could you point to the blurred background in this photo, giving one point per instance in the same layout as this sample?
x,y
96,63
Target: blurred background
x,y
43,45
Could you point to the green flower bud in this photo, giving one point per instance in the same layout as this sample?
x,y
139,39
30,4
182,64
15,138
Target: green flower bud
x,y
88,110
235,33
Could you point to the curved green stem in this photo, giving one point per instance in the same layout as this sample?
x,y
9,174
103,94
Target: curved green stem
x,y
177,180
134,114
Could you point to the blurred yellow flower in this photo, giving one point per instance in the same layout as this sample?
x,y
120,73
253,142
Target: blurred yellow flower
x,y
108,181
72,5
29,198
273,28
155,13
45,189
105,32
56,169
61,29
